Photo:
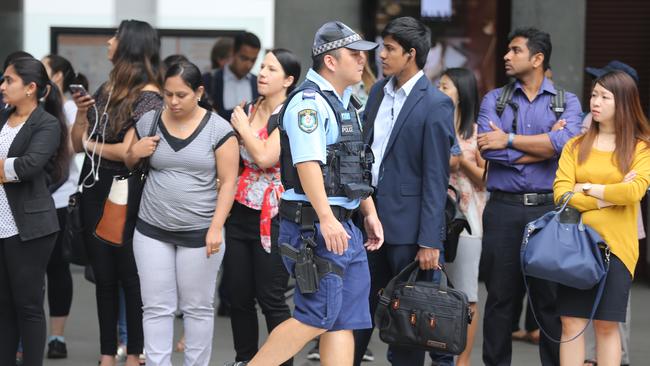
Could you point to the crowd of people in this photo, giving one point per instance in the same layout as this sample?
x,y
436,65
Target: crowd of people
x,y
247,173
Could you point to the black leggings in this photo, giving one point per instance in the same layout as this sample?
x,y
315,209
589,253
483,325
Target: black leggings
x,y
59,279
112,267
251,273
22,277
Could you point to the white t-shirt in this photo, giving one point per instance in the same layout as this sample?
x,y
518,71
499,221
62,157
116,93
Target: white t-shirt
x,y
61,195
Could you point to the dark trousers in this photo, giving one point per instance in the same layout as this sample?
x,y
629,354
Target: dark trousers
x,y
112,267
250,273
59,279
22,279
521,304
503,224
385,264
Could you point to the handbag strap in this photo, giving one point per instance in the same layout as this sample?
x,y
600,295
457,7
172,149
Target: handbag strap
x,y
144,167
564,200
412,271
599,295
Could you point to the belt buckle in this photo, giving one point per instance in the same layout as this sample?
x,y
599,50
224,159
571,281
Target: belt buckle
x,y
530,199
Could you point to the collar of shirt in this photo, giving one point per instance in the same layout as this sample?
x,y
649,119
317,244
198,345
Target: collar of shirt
x,y
389,88
547,86
324,85
229,75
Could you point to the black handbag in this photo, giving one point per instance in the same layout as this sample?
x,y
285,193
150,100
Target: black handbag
x,y
455,222
423,314
117,221
72,241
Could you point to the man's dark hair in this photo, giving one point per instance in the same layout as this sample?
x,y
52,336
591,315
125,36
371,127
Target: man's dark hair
x,y
317,62
537,41
410,33
248,39
222,49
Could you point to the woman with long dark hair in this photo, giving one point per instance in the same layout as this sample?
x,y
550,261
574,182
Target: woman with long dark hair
x,y
179,230
33,155
608,169
59,279
253,267
467,178
104,128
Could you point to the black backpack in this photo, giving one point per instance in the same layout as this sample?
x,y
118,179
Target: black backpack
x,y
558,103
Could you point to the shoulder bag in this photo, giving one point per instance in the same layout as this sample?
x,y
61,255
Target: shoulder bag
x,y
117,221
558,247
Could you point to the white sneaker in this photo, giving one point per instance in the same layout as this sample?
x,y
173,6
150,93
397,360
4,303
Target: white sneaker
x,y
121,353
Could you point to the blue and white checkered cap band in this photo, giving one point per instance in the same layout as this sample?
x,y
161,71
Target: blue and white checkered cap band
x,y
335,44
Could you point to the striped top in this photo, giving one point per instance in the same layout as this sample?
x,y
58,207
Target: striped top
x,y
180,194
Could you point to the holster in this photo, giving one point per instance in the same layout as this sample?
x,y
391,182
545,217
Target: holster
x,y
309,268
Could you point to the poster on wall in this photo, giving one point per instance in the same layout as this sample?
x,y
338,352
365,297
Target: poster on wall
x,y
464,34
87,48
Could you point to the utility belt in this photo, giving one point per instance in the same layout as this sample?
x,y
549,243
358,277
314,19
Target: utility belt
x,y
304,214
526,199
309,268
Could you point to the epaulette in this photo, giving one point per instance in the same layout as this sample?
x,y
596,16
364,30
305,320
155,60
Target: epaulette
x,y
308,94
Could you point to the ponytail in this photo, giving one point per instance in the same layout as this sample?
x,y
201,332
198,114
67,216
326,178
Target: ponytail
x,y
50,99
204,102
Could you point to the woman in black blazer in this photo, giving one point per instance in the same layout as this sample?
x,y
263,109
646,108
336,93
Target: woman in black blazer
x,y
31,158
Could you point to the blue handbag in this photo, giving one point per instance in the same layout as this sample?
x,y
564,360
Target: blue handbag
x,y
558,247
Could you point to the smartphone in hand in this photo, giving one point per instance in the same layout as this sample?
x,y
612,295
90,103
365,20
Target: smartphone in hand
x,y
78,88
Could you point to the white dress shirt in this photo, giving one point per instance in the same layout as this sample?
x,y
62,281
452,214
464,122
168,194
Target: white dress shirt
x,y
235,90
387,114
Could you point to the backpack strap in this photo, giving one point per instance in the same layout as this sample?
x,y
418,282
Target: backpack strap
x,y
558,103
505,97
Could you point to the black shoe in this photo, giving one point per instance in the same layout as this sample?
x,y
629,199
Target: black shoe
x,y
57,349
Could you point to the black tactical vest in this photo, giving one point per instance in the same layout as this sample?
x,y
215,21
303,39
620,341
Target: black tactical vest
x,y
347,169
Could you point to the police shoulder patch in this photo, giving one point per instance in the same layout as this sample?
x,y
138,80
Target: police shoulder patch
x,y
308,120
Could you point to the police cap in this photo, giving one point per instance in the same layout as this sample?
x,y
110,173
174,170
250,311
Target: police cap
x,y
333,35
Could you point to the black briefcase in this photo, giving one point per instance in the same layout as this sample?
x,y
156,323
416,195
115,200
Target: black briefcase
x,y
423,314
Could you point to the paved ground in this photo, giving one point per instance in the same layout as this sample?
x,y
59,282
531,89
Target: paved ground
x,y
83,338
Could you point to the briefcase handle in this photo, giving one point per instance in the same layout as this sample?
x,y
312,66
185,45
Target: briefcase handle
x,y
410,274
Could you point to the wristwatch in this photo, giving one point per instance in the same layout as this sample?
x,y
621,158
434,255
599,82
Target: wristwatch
x,y
511,139
586,187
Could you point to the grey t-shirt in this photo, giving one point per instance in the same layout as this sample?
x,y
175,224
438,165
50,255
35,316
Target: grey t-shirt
x,y
180,194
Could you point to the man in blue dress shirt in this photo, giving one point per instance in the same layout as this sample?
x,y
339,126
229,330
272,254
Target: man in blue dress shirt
x,y
522,146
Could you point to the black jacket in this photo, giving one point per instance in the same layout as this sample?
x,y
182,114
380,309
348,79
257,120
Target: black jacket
x,y
30,201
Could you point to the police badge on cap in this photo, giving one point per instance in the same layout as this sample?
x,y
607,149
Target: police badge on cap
x,y
333,35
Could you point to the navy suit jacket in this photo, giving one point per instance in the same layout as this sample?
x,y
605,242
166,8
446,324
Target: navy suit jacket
x,y
414,174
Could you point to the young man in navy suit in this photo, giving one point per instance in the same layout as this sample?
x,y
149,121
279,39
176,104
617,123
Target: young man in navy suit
x,y
409,125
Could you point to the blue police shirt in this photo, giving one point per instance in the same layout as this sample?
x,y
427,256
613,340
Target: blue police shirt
x,y
311,125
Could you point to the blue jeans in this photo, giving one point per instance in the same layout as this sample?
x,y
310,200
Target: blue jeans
x,y
121,320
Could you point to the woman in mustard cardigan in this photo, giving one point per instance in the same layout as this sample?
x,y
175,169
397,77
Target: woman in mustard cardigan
x,y
608,168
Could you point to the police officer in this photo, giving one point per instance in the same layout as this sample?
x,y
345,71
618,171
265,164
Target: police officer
x,y
326,174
